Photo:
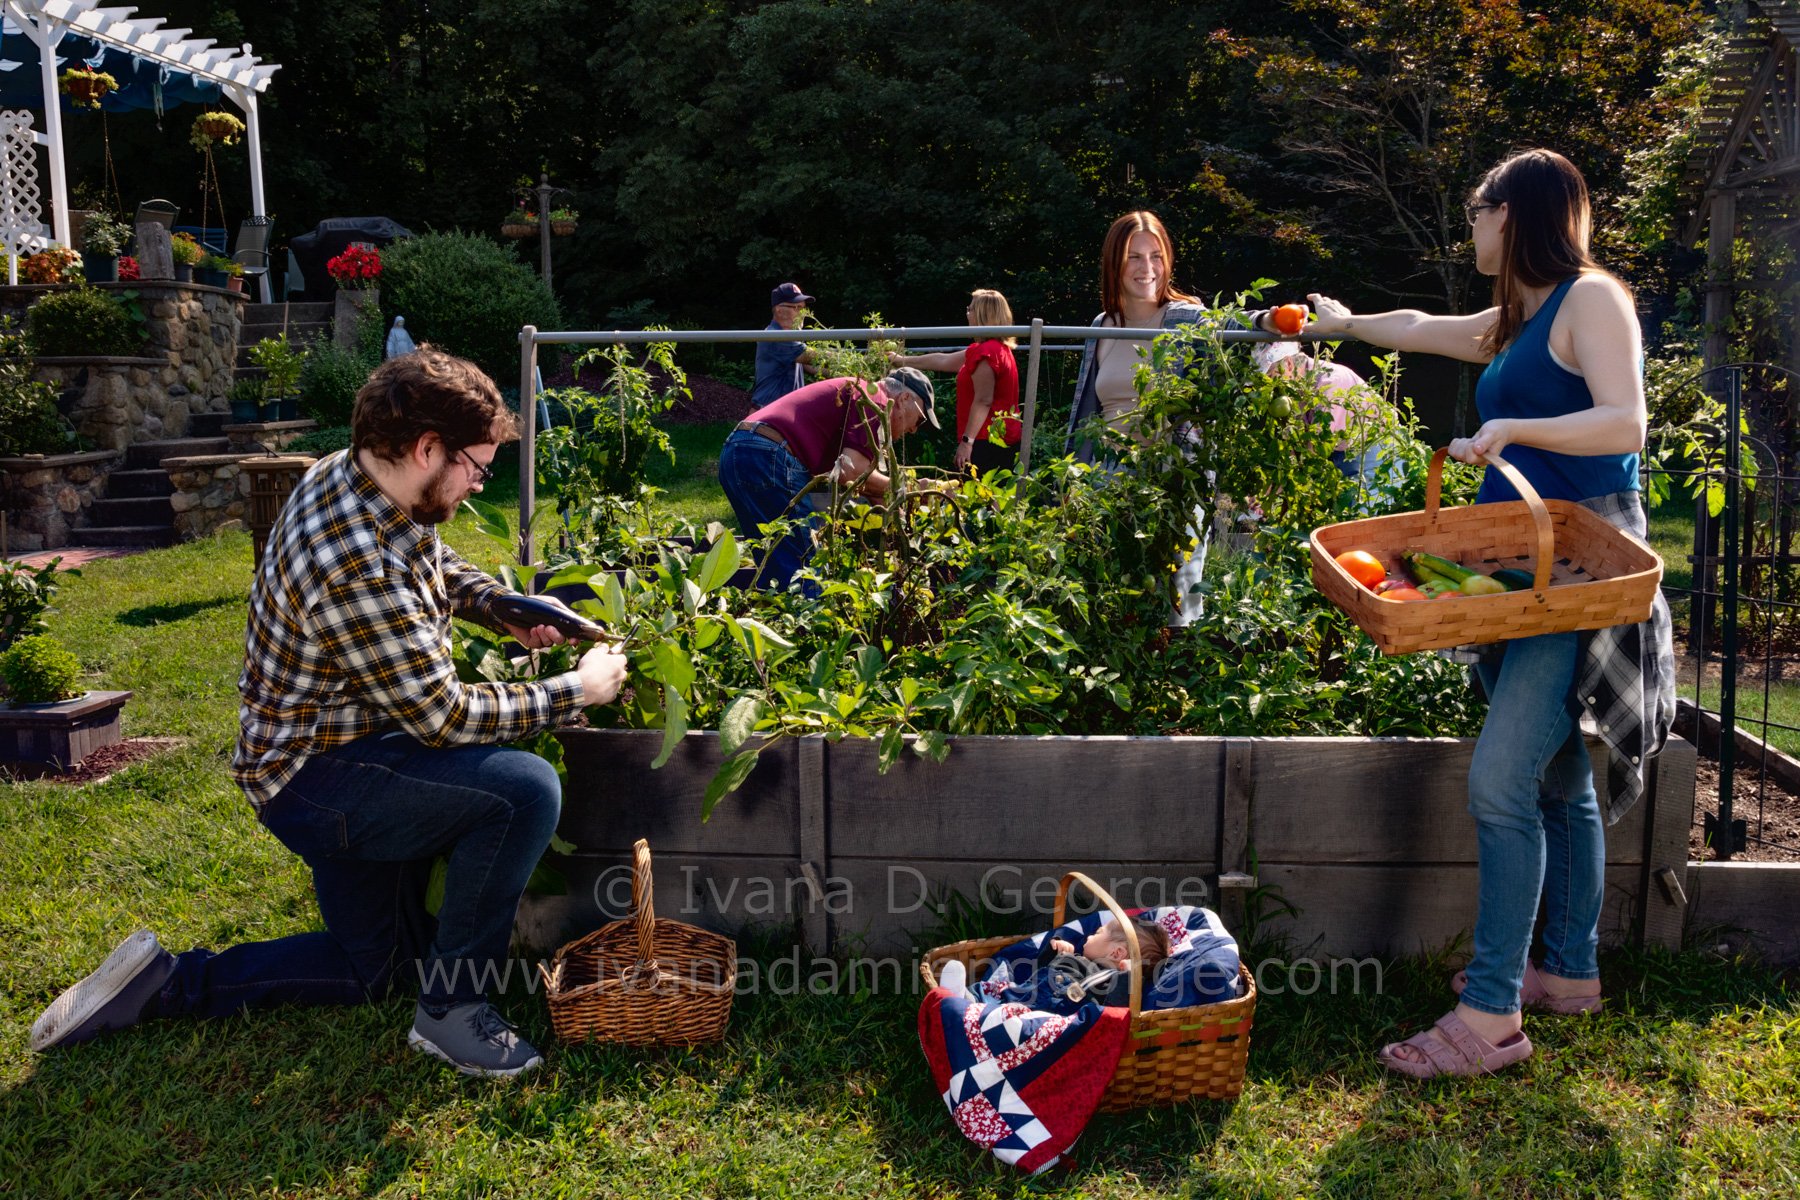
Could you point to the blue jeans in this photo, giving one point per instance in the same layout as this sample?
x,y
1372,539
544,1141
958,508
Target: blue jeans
x,y
1538,824
369,817
759,478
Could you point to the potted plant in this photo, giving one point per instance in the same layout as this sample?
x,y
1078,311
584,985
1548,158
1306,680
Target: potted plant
x,y
519,223
186,252
103,239
234,275
50,722
86,87
245,397
52,264
215,128
212,270
358,268
281,365
563,221
129,271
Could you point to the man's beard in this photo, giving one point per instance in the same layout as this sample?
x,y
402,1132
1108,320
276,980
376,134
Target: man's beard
x,y
439,501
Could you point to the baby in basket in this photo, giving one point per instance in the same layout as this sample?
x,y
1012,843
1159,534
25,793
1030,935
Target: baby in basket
x,y
1100,970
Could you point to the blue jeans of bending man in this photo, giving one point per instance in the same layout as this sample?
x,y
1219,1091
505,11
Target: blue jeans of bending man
x,y
760,477
369,818
1538,824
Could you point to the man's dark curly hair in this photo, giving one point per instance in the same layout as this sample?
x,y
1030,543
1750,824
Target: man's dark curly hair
x,y
428,391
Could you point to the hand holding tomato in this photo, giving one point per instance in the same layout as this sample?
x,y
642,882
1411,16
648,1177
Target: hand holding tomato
x,y
1289,318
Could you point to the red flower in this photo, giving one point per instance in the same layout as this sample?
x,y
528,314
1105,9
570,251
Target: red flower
x,y
356,267
128,269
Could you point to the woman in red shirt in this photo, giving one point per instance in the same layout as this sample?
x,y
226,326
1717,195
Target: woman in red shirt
x,y
987,387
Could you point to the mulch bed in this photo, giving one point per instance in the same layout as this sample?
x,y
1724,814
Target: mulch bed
x,y
710,399
99,765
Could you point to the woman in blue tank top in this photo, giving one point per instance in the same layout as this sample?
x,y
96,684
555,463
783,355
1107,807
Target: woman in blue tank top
x,y
1562,396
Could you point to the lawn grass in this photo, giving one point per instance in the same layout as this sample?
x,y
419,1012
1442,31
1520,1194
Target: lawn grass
x,y
1688,1086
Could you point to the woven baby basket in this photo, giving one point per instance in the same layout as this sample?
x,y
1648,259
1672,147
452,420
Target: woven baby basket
x,y
1586,574
642,981
1171,1054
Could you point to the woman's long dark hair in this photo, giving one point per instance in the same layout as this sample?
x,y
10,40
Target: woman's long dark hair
x,y
1112,261
1548,226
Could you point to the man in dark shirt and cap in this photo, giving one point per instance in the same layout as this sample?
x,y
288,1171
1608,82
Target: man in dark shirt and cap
x,y
778,364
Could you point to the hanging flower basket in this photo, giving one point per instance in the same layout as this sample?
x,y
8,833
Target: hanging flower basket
x,y
85,87
563,221
212,128
519,224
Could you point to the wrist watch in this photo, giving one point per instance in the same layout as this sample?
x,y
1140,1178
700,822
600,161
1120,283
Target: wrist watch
x,y
967,441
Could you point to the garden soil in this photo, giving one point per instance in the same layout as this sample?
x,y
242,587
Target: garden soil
x,y
99,765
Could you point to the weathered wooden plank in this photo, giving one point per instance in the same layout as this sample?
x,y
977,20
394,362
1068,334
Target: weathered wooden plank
x,y
815,859
1351,911
1381,800
1237,794
1670,815
613,797
724,894
891,906
1747,907
1033,798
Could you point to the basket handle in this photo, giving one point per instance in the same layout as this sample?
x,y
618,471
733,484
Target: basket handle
x,y
1540,516
1131,938
643,907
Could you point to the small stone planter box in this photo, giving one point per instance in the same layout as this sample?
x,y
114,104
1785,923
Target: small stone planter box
x,y
1368,838
47,497
259,437
57,736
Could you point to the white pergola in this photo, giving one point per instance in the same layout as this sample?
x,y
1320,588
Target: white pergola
x,y
239,74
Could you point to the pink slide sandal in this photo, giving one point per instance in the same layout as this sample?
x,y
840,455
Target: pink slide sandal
x,y
1450,1047
1533,995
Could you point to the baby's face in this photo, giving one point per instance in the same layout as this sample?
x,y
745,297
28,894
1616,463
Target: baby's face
x,y
1103,945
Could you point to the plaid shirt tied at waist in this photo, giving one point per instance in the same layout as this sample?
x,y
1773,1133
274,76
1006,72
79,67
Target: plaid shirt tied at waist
x,y
350,635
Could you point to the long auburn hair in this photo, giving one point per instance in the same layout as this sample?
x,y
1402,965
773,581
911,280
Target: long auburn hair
x,y
1545,239
1112,261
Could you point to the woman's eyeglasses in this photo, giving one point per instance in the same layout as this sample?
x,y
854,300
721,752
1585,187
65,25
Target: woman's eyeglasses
x,y
1473,211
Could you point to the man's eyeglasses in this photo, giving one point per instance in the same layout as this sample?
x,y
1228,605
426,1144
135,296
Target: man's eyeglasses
x,y
1472,211
482,474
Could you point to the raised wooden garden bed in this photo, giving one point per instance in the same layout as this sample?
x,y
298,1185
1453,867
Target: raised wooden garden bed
x,y
1367,837
57,736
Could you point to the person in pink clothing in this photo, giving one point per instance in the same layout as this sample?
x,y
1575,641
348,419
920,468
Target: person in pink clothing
x,y
1362,456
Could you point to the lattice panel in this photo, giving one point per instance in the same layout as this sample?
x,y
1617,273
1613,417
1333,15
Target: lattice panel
x,y
21,204
1770,144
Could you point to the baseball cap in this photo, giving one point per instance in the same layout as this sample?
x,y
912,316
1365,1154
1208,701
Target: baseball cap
x,y
789,293
914,381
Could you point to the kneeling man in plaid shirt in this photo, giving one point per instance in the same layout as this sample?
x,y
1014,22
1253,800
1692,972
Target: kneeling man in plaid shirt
x,y
364,753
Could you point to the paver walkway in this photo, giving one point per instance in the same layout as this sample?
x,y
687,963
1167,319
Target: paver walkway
x,y
74,556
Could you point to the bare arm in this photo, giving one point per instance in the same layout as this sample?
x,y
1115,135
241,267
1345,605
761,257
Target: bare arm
x,y
855,465
947,361
1597,333
1407,329
980,402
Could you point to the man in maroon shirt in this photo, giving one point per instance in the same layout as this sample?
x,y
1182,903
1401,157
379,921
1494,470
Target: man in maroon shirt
x,y
835,427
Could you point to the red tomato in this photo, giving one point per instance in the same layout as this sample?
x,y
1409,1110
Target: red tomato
x,y
1404,593
1363,567
1289,318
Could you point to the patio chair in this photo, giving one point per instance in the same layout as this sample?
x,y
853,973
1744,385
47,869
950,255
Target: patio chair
x,y
163,212
252,253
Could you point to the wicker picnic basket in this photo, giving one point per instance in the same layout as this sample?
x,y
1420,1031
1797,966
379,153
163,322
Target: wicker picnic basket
x,y
1171,1054
642,981
1586,573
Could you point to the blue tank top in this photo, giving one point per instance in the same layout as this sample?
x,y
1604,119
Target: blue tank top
x,y
1524,381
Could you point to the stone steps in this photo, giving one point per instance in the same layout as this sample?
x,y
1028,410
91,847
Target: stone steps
x,y
151,454
126,535
139,483
120,512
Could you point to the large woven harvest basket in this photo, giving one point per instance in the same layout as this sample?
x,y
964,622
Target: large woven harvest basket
x,y
1586,574
1171,1054
642,981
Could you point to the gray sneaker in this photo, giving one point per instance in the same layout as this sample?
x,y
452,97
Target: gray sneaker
x,y
474,1039
113,997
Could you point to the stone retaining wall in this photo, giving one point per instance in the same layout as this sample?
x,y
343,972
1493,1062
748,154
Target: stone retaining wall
x,y
212,492
192,351
47,498
263,436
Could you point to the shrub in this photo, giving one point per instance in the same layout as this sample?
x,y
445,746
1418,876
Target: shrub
x,y
281,364
82,322
467,294
25,595
330,380
321,442
39,670
30,422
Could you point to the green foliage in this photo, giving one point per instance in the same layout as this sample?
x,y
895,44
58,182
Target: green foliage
x,y
80,322
597,446
39,670
974,606
467,294
282,365
321,441
104,235
30,422
25,596
330,380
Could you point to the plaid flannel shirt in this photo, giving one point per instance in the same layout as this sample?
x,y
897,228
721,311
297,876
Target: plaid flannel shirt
x,y
350,635
1625,678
